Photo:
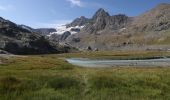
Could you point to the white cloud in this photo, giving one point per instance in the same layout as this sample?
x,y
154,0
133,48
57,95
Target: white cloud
x,y
78,3
6,7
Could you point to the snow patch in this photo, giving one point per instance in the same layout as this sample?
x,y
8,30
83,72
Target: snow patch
x,y
63,28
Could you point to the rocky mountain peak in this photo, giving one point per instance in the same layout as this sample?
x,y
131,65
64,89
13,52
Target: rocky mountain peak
x,y
82,17
103,21
78,22
101,13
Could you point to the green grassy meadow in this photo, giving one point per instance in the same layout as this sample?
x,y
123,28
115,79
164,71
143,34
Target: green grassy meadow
x,y
50,77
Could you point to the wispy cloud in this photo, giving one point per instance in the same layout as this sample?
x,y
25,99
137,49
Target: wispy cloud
x,y
6,7
78,3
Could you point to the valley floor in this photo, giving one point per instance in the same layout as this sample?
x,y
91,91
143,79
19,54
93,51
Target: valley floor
x,y
50,77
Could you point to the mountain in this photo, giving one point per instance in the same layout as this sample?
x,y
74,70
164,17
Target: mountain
x,y
100,32
20,39
150,30
98,22
106,32
74,27
78,22
103,21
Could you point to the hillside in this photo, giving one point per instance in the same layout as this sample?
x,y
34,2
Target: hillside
x,y
19,39
106,32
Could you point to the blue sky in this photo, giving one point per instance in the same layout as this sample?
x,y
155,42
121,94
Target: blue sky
x,y
50,13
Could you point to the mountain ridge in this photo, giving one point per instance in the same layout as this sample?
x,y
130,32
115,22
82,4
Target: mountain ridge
x,y
107,32
20,39
101,32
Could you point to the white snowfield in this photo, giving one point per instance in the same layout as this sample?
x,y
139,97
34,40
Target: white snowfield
x,y
61,29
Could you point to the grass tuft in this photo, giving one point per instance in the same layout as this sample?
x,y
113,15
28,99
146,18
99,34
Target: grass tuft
x,y
63,83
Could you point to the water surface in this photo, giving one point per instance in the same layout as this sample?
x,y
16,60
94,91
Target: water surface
x,y
85,62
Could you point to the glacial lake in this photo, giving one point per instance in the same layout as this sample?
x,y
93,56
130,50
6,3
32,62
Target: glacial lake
x,y
99,63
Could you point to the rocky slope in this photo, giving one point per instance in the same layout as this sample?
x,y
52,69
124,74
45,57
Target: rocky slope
x,y
18,39
156,19
106,32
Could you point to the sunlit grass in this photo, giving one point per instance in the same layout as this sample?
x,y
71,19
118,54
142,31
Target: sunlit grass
x,y
50,77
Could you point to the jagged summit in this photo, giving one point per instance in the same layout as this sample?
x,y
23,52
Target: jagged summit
x,y
100,13
78,22
103,21
82,17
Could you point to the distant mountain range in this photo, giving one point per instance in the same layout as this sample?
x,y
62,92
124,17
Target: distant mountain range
x,y
101,32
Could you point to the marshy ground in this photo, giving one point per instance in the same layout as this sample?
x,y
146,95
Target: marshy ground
x,y
50,77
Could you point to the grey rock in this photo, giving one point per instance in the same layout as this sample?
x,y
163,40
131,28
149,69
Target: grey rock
x,y
89,48
65,35
78,22
103,21
75,30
